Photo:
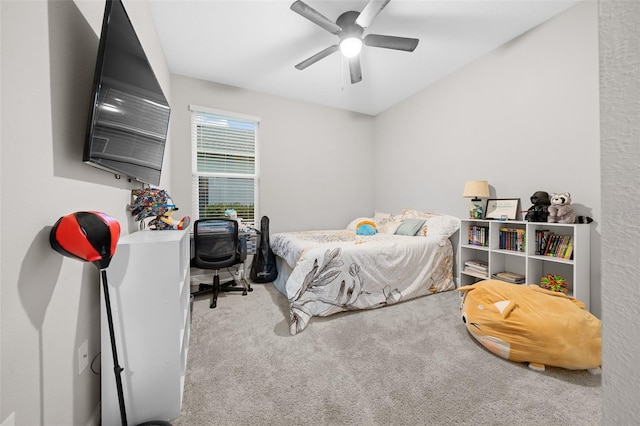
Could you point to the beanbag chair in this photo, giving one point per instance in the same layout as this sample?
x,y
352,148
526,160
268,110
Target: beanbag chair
x,y
526,323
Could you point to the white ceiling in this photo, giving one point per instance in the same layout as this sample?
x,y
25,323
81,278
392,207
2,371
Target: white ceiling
x,y
255,44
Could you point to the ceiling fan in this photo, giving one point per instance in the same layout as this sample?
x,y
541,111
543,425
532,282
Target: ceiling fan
x,y
349,28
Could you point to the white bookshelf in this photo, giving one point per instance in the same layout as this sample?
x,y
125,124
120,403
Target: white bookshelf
x,y
533,266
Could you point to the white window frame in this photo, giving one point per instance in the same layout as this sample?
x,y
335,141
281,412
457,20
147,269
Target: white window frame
x,y
195,174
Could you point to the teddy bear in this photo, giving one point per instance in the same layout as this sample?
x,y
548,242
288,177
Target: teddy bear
x,y
539,211
561,210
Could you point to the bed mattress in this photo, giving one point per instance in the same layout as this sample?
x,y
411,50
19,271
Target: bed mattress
x,y
325,272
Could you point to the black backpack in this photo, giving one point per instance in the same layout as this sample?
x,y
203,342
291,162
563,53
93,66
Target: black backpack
x,y
263,266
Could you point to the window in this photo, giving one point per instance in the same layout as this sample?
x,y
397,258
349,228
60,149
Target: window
x,y
224,167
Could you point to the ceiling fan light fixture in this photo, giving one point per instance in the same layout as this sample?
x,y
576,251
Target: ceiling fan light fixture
x,y
351,46
349,28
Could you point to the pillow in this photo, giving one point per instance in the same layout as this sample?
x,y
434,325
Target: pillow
x,y
387,223
410,227
436,224
389,226
380,216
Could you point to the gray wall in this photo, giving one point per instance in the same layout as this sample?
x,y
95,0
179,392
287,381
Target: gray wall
x,y
524,117
315,162
49,304
620,132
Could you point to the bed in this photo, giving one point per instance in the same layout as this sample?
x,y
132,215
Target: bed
x,y
328,271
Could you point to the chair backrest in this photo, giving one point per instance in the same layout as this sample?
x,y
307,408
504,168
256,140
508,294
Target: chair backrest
x,y
216,243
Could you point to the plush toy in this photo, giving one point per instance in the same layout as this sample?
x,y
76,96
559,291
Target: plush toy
x,y
165,221
366,227
539,211
561,210
158,204
526,323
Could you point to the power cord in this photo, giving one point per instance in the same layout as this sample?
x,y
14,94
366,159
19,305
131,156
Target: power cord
x,y
93,370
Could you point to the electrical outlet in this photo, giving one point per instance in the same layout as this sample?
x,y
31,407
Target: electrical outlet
x,y
83,356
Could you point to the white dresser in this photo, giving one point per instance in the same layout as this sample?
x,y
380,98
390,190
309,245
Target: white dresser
x,y
149,290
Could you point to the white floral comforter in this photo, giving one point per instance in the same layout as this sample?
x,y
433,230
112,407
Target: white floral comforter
x,y
324,272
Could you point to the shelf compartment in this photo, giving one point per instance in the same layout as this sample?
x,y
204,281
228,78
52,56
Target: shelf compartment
x,y
539,268
500,261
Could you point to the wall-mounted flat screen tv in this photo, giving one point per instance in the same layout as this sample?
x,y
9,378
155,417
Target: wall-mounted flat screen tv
x,y
129,116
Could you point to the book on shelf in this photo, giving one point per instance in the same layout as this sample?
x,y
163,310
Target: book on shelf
x,y
477,264
511,277
541,236
468,268
514,239
569,251
476,268
475,272
553,245
478,235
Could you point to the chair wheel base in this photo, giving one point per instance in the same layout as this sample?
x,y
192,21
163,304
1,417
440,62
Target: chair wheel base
x,y
229,286
247,289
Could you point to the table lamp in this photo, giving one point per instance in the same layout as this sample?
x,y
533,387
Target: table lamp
x,y
475,189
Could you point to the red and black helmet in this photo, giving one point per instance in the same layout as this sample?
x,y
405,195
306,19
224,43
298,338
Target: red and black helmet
x,y
88,236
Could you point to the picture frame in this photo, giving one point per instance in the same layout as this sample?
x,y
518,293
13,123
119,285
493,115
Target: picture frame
x,y
501,208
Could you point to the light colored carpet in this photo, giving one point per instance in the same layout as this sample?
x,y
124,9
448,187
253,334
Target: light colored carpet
x,y
406,364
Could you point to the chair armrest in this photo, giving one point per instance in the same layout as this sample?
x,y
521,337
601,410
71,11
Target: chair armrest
x,y
242,248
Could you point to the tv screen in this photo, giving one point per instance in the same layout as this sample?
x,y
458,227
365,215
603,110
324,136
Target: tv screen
x,y
129,117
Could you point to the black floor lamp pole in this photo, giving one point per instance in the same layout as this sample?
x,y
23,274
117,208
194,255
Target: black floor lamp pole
x,y
116,367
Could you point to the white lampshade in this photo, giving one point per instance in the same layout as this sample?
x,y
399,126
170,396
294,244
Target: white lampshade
x,y
476,189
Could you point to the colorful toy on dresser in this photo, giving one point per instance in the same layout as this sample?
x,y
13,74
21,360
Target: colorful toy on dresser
x,y
156,203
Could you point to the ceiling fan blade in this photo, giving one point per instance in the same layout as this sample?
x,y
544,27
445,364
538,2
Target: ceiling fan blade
x,y
306,11
370,11
315,58
391,42
354,69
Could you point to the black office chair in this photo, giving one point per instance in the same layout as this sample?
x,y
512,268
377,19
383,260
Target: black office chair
x,y
217,246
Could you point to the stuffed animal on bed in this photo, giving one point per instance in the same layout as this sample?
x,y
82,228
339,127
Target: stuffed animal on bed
x,y
366,227
561,210
526,323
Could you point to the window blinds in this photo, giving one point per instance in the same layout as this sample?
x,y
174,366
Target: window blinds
x,y
224,167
